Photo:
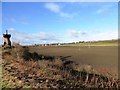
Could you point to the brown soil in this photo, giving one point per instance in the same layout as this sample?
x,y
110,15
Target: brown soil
x,y
103,58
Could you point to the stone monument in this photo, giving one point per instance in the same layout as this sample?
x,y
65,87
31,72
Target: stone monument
x,y
7,41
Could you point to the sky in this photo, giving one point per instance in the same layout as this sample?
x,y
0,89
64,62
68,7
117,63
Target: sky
x,y
60,0
59,22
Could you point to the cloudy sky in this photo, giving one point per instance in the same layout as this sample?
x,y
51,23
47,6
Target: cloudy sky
x,y
55,22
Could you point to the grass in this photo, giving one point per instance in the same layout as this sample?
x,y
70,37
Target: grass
x,y
96,43
46,72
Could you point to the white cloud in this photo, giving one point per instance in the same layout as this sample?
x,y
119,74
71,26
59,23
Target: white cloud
x,y
53,7
63,14
27,38
111,34
75,33
104,9
58,10
16,20
69,36
101,35
12,30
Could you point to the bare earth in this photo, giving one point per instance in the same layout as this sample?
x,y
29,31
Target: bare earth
x,y
104,57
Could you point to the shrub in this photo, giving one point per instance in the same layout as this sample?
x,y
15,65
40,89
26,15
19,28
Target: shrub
x,y
30,56
26,55
35,56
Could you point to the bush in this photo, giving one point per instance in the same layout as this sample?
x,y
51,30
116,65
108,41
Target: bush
x,y
30,56
26,55
35,56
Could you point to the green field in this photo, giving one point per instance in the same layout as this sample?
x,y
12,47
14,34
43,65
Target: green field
x,y
96,43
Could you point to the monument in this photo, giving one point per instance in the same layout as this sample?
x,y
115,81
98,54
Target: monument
x,y
7,41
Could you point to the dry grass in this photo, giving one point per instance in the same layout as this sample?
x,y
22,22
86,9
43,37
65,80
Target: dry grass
x,y
60,71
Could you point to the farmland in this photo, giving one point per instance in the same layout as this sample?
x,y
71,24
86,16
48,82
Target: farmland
x,y
97,56
60,67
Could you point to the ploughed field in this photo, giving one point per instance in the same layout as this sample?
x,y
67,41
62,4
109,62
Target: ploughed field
x,y
104,58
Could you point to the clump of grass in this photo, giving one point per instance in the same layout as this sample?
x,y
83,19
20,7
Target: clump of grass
x,y
58,62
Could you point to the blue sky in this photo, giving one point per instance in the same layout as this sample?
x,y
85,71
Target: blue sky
x,y
55,22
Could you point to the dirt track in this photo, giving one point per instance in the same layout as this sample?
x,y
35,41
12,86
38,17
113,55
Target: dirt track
x,y
95,56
